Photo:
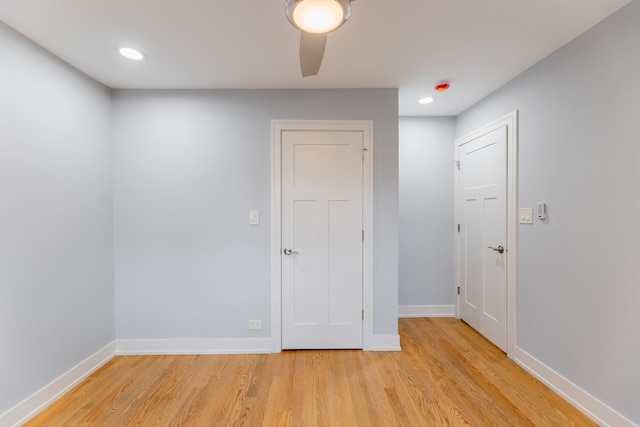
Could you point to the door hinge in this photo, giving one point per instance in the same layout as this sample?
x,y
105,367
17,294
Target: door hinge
x,y
457,163
458,228
362,314
363,235
364,150
458,290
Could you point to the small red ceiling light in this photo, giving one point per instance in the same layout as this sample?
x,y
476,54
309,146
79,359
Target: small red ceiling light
x,y
442,87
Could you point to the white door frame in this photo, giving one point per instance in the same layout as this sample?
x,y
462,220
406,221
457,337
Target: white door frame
x,y
277,127
511,123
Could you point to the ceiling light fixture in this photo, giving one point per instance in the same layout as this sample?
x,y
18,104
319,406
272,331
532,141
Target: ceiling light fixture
x,y
317,16
131,53
426,100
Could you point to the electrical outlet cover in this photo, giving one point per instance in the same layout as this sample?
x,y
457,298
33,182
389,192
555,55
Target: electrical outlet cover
x,y
255,324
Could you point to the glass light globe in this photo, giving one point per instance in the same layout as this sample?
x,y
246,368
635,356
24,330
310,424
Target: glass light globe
x,y
317,16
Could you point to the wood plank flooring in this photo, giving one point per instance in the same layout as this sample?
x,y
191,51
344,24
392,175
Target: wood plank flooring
x,y
446,375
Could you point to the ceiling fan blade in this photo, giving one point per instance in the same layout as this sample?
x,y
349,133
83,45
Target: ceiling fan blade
x,y
311,52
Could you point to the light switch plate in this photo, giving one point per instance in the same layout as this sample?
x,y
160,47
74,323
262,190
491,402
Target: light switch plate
x,y
526,216
254,217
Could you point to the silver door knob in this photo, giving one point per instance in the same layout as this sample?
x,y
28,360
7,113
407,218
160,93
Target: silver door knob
x,y
499,249
288,251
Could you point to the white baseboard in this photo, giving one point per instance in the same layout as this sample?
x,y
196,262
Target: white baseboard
x,y
386,343
405,311
35,403
588,404
195,346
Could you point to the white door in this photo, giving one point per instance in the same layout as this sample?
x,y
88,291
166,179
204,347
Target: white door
x,y
322,197
483,254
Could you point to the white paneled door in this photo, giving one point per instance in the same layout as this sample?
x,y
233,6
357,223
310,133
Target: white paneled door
x,y
483,254
322,223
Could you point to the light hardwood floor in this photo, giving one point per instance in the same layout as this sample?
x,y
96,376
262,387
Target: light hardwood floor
x,y
446,375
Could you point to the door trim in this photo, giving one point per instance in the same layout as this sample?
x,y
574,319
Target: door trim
x,y
510,121
277,127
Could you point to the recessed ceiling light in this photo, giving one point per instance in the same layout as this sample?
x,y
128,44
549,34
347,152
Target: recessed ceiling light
x,y
131,53
427,100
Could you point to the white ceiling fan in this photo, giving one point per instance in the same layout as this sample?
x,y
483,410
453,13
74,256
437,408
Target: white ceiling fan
x,y
315,19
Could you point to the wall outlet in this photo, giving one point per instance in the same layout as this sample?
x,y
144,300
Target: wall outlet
x,y
255,324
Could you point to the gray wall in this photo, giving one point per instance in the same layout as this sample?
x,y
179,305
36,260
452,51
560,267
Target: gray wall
x,y
426,255
578,277
56,234
188,168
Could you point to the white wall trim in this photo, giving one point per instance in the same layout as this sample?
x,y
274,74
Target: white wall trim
x,y
511,123
35,403
386,343
588,404
194,346
277,127
406,311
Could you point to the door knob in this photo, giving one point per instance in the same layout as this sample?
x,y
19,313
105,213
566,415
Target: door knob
x,y
499,249
288,251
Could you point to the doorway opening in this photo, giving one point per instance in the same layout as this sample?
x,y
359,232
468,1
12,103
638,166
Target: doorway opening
x,y
486,206
340,213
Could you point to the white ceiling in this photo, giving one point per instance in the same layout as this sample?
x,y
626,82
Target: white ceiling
x,y
477,45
